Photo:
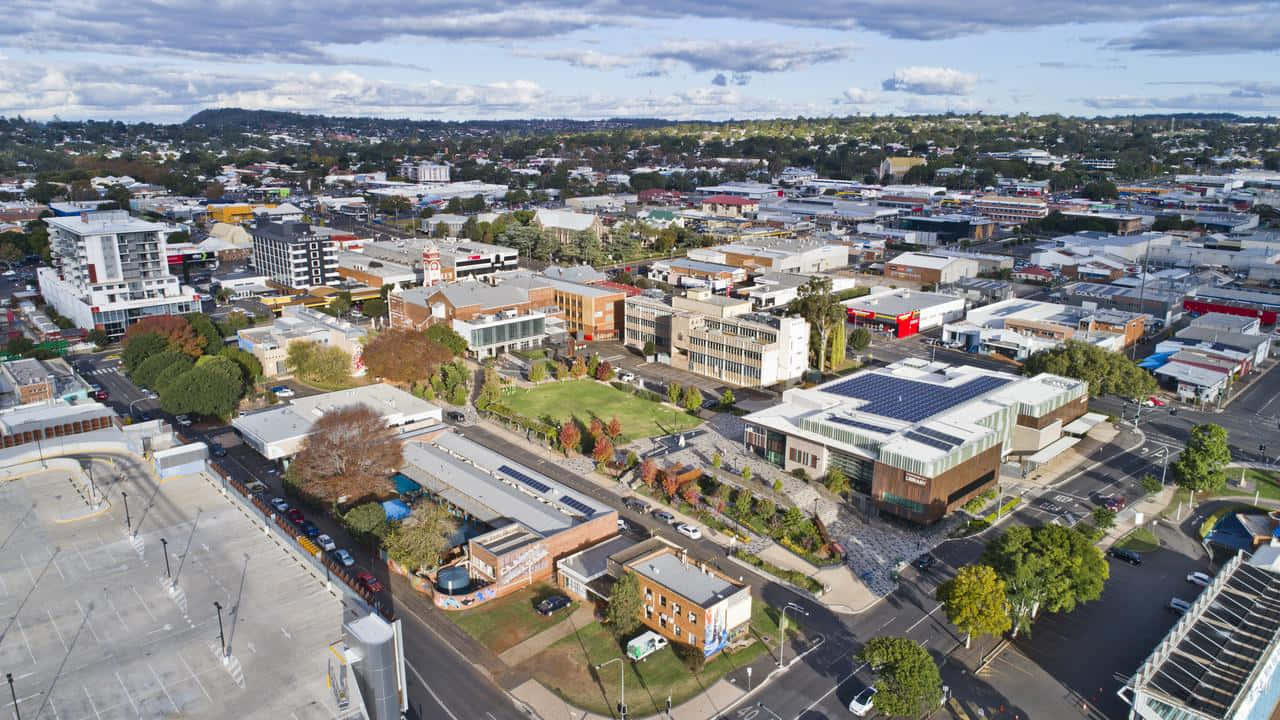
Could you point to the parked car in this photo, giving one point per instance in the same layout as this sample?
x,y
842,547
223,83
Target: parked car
x,y
257,488
690,531
217,451
283,391
549,605
664,516
1154,401
627,376
1115,502
325,542
644,645
1128,556
622,525
279,504
924,562
863,702
1199,578
100,395
636,504
309,529
368,581
1179,605
455,416
295,515
343,557
183,420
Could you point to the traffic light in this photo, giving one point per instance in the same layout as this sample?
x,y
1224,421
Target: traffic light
x,y
622,711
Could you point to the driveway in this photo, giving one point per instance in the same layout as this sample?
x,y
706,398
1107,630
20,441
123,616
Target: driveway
x,y
656,375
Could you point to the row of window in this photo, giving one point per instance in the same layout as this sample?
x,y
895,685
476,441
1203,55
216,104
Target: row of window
x,y
728,366
801,457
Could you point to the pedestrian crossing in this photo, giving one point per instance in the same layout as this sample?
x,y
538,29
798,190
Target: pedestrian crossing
x,y
101,371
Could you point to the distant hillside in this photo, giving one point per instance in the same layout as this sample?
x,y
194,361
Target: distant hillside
x,y
216,119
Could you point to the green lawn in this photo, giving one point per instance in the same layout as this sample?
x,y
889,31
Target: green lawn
x,y
504,623
587,399
1267,483
566,668
1139,540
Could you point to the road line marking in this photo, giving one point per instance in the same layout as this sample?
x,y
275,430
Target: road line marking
x,y
55,629
31,577
431,692
143,602
91,703
25,641
195,677
117,612
164,690
926,617
92,632
828,693
125,688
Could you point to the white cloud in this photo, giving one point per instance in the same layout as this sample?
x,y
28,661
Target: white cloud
x,y
747,56
860,96
930,81
1206,35
589,59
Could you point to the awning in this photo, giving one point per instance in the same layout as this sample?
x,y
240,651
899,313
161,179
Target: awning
x,y
1083,424
405,484
1051,451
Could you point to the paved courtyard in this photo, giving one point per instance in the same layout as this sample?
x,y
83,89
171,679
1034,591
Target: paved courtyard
x,y
92,631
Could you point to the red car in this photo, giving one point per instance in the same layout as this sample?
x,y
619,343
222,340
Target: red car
x,y
294,515
1154,401
368,581
1115,503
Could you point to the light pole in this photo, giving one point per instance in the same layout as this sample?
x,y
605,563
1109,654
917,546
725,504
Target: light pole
x,y
128,524
782,628
622,684
14,695
165,543
93,487
222,639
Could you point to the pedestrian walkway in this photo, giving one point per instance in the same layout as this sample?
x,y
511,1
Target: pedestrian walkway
x,y
583,616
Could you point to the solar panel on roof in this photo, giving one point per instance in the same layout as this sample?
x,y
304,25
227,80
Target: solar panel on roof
x,y
521,477
931,442
578,505
911,400
858,424
941,435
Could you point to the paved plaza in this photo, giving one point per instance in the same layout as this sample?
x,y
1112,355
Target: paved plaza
x,y
91,630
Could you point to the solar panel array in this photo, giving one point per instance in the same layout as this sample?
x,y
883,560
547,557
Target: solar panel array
x,y
952,439
931,442
859,424
911,400
578,505
521,477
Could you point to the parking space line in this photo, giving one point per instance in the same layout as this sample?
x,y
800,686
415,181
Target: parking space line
x,y
164,690
28,567
92,704
195,677
143,602
25,641
125,688
117,612
54,623
92,632
57,567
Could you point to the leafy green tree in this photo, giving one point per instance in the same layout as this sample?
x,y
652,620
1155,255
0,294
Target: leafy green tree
x,y
625,603
908,683
837,481
211,389
420,542
537,371
1104,518
976,602
145,374
165,379
205,328
1106,371
374,308
746,473
860,339
447,337
727,399
1151,484
99,338
1100,190
673,393
367,522
250,366
1047,568
838,345
742,502
817,304
692,398
1201,466
649,349
765,508
716,460
140,348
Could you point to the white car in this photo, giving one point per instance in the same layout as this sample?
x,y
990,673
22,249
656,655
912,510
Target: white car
x,y
325,542
622,525
183,420
1179,605
344,557
863,702
1199,578
279,504
689,531
627,376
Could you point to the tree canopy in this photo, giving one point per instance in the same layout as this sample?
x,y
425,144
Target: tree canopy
x,y
322,364
1050,567
1106,371
176,331
908,682
818,305
405,357
350,452
625,602
421,541
1201,466
976,601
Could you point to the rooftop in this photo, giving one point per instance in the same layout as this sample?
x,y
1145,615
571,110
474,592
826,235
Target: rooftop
x,y
684,578
104,221
898,301
925,260
295,419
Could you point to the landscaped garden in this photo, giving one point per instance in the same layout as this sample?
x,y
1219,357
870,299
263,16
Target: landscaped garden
x,y
567,668
585,399
506,622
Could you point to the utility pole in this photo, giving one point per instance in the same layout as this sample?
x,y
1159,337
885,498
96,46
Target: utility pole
x,y
622,684
165,544
128,524
222,639
14,695
782,629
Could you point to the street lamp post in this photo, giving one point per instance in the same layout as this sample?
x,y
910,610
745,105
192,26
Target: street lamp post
x,y
782,628
128,523
165,543
14,695
622,684
222,639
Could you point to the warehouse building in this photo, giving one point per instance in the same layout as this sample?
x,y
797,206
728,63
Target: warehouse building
x,y
930,268
904,312
922,438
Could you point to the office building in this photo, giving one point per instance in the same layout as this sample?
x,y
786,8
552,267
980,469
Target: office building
x,y
948,229
1009,210
28,381
293,256
929,268
776,255
270,343
778,289
424,172
904,312
1017,328
110,270
921,437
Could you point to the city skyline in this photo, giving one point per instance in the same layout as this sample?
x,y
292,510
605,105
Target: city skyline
x,y
669,59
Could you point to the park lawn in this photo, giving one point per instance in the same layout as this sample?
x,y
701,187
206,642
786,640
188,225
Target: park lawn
x,y
506,622
587,399
1139,540
1267,484
566,668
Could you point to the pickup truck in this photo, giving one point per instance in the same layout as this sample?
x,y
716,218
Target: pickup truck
x,y
644,645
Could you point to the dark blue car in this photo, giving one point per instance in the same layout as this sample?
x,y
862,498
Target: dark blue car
x,y
309,529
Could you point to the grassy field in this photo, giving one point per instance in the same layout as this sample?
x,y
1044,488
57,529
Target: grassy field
x,y
587,399
1139,540
1267,483
504,623
567,669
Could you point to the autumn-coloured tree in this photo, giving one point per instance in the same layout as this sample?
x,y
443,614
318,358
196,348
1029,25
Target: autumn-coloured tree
x,y
648,472
404,357
603,450
614,429
570,436
604,371
350,452
579,368
175,329
597,428
690,493
670,484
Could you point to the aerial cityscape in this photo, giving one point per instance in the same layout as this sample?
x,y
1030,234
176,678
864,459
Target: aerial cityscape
x,y
620,362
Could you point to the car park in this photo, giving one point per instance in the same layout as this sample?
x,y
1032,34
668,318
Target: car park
x,y
1179,605
295,515
690,531
664,516
1199,578
1124,555
325,542
343,558
862,703
279,504
549,605
368,581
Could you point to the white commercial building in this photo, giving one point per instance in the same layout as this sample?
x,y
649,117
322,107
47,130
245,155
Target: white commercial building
x,y
110,270
423,171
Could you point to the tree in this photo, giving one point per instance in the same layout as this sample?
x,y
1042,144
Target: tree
x,y
579,369
837,481
741,502
537,371
908,681
211,388
648,472
341,303
670,483
1200,467
204,327
374,308
976,602
1151,484
838,345
421,541
1100,190
367,521
716,460
350,452
562,370
145,374
1104,518
625,603
404,357
99,338
765,508
649,349
177,332
602,450
692,398
250,366
817,304
1051,568
673,393
570,436
746,473
614,429
604,371
447,337
727,399
139,348
860,339
1107,372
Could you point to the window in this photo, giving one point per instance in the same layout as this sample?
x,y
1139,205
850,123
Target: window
x,y
677,630
662,621
675,608
693,618
662,600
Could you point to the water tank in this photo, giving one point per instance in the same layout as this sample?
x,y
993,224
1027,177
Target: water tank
x,y
453,580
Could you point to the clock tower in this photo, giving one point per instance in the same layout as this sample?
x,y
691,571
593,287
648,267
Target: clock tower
x,y
431,272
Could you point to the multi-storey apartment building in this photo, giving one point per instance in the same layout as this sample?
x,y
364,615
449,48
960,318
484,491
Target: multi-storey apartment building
x,y
422,171
110,270
1010,210
294,256
270,344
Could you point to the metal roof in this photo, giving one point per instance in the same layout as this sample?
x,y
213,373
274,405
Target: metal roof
x,y
684,579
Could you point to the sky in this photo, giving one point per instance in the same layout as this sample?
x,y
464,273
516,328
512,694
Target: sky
x,y
163,60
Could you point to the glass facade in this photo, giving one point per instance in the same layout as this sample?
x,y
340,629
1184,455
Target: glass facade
x,y
507,332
